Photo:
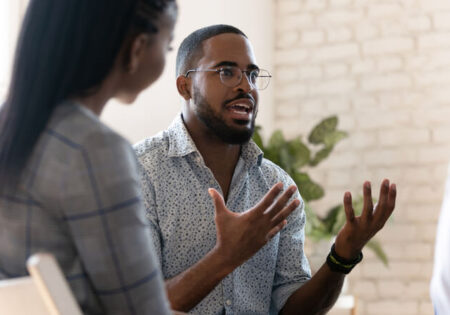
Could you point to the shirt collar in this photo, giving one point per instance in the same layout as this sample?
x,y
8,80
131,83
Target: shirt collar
x,y
251,153
180,141
181,144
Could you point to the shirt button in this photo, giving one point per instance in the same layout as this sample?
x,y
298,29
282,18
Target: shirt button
x,y
228,302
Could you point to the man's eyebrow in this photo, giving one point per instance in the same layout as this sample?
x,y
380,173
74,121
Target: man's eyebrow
x,y
225,63
231,63
252,67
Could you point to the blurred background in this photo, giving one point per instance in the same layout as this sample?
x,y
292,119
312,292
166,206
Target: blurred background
x,y
383,67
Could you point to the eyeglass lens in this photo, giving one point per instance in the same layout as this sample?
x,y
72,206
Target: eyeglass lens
x,y
232,76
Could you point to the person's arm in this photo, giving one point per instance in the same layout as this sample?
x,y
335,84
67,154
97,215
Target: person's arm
x,y
320,293
239,237
103,209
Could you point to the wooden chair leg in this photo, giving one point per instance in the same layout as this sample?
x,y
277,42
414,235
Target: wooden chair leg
x,y
355,307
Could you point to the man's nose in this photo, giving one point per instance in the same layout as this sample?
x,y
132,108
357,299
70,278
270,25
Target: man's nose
x,y
245,85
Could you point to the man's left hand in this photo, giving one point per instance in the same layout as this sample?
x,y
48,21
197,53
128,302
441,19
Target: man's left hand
x,y
357,231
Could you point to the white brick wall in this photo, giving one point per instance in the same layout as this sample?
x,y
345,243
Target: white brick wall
x,y
384,68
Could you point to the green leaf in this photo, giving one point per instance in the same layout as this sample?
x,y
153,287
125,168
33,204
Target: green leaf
x,y
320,156
375,246
331,218
286,159
300,153
320,131
332,138
311,217
308,189
314,227
276,141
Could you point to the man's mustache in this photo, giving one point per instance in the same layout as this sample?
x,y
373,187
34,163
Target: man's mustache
x,y
241,96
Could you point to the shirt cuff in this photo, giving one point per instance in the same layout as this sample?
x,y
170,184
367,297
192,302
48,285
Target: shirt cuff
x,y
281,294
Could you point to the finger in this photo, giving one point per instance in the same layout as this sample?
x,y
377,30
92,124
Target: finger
x,y
348,207
382,200
368,204
392,196
219,203
390,203
283,214
282,201
268,199
276,229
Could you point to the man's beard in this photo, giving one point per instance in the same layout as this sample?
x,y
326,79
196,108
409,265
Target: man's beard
x,y
217,124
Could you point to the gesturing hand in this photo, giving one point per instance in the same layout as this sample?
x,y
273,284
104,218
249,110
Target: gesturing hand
x,y
241,235
357,231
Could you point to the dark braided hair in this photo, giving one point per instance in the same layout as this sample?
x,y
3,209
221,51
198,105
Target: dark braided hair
x,y
66,48
146,12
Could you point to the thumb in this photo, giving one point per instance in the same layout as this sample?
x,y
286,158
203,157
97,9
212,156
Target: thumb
x,y
219,203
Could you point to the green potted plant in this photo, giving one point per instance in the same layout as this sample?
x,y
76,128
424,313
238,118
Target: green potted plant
x,y
294,156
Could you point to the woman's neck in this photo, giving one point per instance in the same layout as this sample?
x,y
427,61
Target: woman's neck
x,y
97,100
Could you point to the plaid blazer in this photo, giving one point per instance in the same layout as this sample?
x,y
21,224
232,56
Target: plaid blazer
x,y
80,200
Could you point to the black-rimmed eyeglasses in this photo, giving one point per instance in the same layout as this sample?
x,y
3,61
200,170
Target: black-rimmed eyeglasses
x,y
231,76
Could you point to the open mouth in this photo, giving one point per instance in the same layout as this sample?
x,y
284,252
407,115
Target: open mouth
x,y
242,109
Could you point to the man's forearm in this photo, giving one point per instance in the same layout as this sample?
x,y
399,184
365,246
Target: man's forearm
x,y
191,286
316,296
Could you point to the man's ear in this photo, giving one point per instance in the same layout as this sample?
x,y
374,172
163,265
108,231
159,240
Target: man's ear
x,y
183,87
137,49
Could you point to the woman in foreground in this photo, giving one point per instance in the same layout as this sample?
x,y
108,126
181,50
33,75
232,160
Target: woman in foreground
x,y
68,183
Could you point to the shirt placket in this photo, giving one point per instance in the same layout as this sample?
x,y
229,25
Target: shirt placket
x,y
227,282
237,182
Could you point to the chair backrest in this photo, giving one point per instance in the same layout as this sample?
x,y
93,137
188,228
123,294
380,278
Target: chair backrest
x,y
44,292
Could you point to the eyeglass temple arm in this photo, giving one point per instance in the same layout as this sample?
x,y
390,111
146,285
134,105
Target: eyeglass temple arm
x,y
198,70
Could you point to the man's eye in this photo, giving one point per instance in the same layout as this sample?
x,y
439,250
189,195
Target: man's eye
x,y
254,75
227,72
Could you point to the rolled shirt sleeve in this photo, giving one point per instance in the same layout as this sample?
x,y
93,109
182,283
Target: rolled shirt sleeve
x,y
292,269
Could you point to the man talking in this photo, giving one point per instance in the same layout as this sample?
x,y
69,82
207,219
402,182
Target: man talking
x,y
224,239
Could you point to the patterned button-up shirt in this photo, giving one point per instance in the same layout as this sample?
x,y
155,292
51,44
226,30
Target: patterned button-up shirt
x,y
175,182
81,201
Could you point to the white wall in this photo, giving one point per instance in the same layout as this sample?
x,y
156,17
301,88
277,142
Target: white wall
x,y
11,13
384,68
5,34
157,106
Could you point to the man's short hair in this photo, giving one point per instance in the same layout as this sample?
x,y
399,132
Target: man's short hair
x,y
189,51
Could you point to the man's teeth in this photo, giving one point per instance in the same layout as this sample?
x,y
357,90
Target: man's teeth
x,y
241,108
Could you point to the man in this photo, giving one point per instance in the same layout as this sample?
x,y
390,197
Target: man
x,y
232,260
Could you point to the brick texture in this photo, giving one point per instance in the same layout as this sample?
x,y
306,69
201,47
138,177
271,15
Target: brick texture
x,y
384,68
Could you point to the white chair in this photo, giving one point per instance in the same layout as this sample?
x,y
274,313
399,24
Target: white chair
x,y
44,292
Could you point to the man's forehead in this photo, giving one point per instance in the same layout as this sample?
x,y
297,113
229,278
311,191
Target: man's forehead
x,y
227,47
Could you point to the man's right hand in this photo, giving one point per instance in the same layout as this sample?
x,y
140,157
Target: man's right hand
x,y
241,235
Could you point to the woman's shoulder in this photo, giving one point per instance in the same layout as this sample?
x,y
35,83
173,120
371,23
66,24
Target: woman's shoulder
x,y
77,127
76,139
76,149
